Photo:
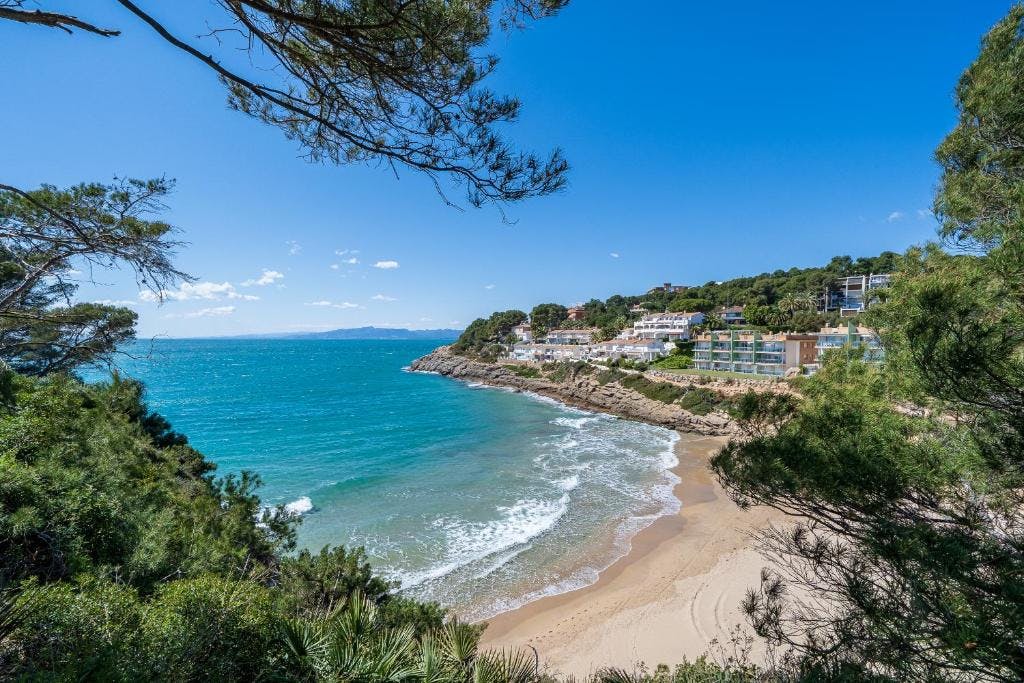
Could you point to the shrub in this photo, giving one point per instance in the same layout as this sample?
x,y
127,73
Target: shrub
x,y
657,391
526,371
609,376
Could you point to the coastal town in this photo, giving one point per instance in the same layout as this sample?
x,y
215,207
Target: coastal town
x,y
715,341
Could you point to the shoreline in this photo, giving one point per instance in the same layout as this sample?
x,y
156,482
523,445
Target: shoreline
x,y
675,591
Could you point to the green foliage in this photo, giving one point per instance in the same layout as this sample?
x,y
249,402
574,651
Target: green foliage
x,y
85,486
561,371
484,332
149,568
700,401
673,362
46,233
526,371
610,375
546,317
688,304
657,391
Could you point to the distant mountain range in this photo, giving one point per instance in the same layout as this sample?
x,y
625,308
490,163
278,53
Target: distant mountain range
x,y
382,333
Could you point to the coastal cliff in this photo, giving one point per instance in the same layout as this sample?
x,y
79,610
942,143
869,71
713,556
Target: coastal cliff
x,y
578,389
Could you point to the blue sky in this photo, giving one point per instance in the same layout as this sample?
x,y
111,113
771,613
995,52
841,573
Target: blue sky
x,y
708,140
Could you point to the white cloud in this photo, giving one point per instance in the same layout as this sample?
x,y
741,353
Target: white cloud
x,y
330,304
268,277
352,261
488,286
211,312
117,302
215,312
386,265
924,213
293,247
894,216
614,254
454,323
335,266
342,252
382,297
200,290
426,320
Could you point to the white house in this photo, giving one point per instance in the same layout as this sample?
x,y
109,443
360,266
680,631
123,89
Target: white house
x,y
667,326
546,353
523,333
584,336
632,348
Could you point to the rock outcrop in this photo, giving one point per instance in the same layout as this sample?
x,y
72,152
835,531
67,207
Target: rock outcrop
x,y
581,390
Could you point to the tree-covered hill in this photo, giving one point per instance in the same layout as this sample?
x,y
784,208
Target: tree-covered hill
x,y
766,295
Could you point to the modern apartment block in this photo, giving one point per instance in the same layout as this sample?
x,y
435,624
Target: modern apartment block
x,y
754,353
854,337
667,326
851,295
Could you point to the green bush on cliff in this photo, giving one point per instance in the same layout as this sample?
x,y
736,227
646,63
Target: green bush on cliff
x,y
485,332
657,391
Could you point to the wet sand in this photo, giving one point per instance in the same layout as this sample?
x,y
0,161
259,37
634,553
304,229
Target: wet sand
x,y
678,589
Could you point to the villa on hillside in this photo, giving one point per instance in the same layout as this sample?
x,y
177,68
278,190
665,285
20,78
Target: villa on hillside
x,y
584,336
667,326
670,288
754,353
852,295
523,333
732,315
577,313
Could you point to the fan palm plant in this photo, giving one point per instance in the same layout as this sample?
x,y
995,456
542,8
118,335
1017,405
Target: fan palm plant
x,y
353,644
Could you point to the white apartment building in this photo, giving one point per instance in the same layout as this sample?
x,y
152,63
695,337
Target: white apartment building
x,y
546,353
584,336
667,326
523,333
632,348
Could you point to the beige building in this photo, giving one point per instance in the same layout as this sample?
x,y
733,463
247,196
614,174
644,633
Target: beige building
x,y
754,353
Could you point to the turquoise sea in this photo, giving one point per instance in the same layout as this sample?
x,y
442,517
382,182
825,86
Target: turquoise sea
x,y
479,498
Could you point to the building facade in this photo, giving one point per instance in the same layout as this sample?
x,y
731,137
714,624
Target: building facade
x,y
851,336
631,348
754,353
584,336
523,333
732,315
667,326
852,295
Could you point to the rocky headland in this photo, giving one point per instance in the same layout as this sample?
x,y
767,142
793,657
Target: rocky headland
x,y
578,387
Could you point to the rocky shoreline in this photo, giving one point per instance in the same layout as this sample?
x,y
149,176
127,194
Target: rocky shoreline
x,y
580,390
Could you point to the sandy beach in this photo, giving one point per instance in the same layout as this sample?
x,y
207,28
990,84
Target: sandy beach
x,y
677,590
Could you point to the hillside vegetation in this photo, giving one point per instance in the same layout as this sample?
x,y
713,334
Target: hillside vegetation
x,y
782,299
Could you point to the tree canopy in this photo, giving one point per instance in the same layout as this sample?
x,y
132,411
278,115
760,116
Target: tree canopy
x,y
907,480
394,82
50,239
